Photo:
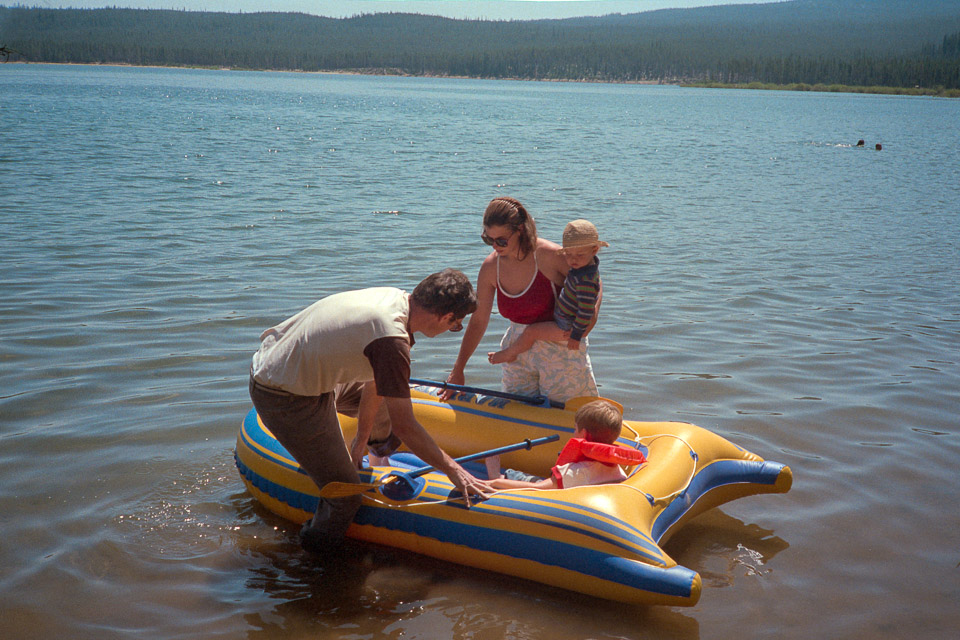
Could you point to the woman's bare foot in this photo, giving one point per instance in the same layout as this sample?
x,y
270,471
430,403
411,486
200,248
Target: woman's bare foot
x,y
500,357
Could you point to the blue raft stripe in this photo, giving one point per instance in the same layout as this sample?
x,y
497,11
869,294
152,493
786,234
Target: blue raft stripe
x,y
569,516
255,437
624,537
295,499
629,540
266,445
673,581
532,505
717,474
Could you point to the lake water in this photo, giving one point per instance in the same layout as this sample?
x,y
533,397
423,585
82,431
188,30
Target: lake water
x,y
766,280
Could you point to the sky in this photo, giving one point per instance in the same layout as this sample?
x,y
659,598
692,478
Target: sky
x,y
468,9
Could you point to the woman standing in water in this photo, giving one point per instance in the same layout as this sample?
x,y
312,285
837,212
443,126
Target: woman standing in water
x,y
524,274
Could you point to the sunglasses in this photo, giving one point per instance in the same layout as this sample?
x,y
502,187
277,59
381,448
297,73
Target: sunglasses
x,y
500,242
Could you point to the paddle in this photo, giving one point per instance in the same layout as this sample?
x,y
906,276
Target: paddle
x,y
345,489
541,401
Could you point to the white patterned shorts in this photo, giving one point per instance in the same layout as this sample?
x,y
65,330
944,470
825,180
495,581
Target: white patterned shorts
x,y
548,368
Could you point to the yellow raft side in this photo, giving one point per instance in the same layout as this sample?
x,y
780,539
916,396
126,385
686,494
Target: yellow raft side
x,y
519,567
619,527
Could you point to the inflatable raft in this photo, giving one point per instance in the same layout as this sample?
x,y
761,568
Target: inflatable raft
x,y
602,540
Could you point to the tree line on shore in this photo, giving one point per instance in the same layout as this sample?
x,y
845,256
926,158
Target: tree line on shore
x,y
893,43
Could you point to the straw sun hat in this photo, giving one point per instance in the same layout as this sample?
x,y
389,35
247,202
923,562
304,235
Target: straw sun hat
x,y
581,233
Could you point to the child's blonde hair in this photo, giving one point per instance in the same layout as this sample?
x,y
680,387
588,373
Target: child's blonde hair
x,y
600,421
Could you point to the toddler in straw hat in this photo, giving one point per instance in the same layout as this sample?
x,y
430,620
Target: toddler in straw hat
x,y
577,302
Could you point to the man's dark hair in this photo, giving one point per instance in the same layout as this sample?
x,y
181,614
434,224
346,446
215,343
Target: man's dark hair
x,y
448,291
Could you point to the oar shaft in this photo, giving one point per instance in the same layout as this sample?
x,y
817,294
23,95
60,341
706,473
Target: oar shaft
x,y
541,401
526,444
345,489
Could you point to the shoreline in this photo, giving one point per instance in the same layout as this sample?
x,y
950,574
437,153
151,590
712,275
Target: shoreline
x,y
388,72
402,74
829,88
379,71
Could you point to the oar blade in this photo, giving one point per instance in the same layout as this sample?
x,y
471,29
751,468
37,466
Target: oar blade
x,y
346,489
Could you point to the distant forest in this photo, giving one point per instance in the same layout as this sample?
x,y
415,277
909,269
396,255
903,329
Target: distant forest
x,y
892,43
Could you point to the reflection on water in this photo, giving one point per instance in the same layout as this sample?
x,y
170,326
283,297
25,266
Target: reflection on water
x,y
765,280
725,549
368,590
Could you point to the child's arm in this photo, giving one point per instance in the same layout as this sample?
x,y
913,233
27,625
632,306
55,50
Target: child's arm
x,y
503,483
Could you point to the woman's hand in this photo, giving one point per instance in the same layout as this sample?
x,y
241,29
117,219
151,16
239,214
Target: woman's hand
x,y
477,326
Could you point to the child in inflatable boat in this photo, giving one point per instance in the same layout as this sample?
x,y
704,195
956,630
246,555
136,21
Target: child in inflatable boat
x,y
589,457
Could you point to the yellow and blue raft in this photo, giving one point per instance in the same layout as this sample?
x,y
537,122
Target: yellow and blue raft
x,y
602,540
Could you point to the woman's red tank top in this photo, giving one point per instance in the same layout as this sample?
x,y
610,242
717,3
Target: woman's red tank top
x,y
534,304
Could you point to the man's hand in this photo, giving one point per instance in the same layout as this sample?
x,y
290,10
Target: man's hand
x,y
413,434
469,485
357,448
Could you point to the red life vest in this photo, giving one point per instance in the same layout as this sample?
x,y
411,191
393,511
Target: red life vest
x,y
579,449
